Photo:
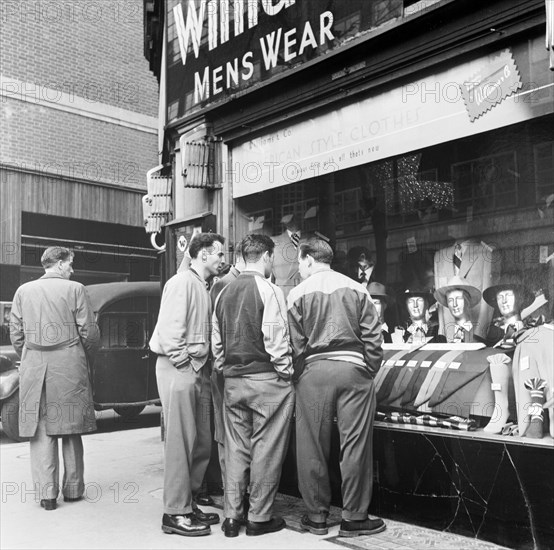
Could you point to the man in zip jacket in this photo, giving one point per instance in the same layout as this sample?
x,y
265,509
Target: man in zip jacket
x,y
336,340
250,344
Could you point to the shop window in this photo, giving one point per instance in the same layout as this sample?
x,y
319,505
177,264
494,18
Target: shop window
x,y
544,172
486,183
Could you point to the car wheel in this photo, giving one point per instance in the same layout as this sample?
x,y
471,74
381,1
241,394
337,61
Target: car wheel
x,y
129,411
10,417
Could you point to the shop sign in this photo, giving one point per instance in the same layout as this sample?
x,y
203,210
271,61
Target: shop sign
x,y
491,85
217,48
407,118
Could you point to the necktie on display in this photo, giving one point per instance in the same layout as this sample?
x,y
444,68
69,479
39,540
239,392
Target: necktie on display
x,y
295,239
457,258
418,333
536,387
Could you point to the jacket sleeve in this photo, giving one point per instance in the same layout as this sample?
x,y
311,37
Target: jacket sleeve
x,y
169,336
86,325
17,335
275,328
298,339
217,343
371,334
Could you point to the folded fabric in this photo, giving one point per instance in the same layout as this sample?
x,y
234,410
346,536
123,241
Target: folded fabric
x,y
452,422
400,385
386,385
454,381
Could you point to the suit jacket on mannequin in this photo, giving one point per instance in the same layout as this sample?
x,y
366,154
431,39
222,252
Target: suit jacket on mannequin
x,y
480,266
285,264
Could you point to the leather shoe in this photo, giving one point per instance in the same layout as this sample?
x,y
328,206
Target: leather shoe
x,y
231,527
184,524
365,527
208,518
49,503
255,528
204,499
314,527
73,499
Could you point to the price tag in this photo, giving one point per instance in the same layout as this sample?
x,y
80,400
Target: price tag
x,y
412,246
425,364
440,365
524,363
412,364
454,365
399,363
390,363
543,254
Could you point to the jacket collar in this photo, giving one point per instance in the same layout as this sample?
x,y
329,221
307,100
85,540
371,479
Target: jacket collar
x,y
52,275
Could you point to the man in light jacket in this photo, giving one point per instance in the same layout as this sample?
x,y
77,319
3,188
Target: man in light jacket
x,y
181,339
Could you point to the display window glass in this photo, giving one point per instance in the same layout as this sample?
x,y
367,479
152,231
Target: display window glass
x,y
460,236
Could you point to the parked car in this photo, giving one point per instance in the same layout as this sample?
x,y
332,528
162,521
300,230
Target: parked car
x,y
9,392
123,373
124,369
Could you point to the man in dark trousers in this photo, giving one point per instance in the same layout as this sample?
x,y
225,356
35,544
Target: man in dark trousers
x,y
250,344
217,379
54,332
336,340
181,339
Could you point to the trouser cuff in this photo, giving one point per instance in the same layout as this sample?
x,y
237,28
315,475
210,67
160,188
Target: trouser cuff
x,y
178,511
259,517
354,516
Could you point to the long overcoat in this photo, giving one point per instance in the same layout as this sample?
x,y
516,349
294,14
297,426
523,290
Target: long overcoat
x,y
54,332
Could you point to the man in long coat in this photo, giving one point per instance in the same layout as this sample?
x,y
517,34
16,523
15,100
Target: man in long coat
x,y
54,332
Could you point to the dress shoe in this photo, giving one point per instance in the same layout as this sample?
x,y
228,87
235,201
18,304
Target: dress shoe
x,y
231,527
204,499
49,503
314,527
73,499
255,528
365,527
184,524
207,518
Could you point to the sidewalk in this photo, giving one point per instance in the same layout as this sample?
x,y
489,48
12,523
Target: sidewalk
x,y
123,508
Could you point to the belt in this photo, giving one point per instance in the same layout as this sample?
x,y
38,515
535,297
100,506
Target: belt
x,y
55,347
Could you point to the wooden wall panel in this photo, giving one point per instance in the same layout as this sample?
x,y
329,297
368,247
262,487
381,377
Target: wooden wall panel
x,y
10,217
58,197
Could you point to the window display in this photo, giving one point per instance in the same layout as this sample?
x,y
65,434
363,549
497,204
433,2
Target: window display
x,y
455,244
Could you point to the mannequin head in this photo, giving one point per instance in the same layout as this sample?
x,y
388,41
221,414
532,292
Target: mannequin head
x,y
417,307
458,301
380,299
509,303
380,307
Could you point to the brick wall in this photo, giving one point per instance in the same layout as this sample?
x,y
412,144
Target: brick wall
x,y
89,50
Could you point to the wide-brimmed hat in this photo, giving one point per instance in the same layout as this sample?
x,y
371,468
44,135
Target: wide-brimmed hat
x,y
458,283
377,290
527,296
420,292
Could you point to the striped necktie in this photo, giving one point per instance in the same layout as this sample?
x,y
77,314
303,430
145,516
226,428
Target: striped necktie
x,y
457,258
295,239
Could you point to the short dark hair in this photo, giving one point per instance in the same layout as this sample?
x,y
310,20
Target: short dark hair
x,y
203,240
318,249
254,245
53,254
